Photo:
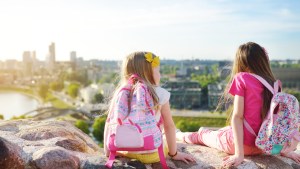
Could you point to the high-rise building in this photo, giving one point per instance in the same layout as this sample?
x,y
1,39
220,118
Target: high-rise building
x,y
35,65
73,60
51,57
27,63
73,56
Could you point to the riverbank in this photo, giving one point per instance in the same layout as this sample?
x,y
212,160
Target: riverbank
x,y
23,90
50,99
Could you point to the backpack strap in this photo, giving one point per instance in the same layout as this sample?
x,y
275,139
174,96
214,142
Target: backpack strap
x,y
109,116
147,103
111,159
162,157
264,82
249,128
277,85
273,90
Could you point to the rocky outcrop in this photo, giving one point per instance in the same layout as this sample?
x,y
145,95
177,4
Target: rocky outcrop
x,y
45,145
27,144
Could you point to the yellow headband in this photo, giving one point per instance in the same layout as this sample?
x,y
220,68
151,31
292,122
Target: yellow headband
x,y
154,61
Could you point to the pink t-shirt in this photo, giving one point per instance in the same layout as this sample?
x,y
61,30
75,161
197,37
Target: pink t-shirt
x,y
251,89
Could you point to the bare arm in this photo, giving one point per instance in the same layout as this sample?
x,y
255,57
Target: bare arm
x,y
237,125
238,133
169,128
104,139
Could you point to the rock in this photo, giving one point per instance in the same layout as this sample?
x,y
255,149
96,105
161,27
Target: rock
x,y
46,145
54,157
28,144
10,155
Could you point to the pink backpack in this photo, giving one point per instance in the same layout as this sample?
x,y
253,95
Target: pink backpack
x,y
133,127
280,128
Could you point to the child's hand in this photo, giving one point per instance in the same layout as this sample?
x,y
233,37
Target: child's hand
x,y
184,157
233,160
292,155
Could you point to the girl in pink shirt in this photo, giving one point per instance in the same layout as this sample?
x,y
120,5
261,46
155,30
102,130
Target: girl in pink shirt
x,y
251,101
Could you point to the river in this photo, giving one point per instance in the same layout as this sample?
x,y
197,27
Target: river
x,y
16,104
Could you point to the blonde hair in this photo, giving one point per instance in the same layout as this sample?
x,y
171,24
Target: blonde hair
x,y
136,63
251,57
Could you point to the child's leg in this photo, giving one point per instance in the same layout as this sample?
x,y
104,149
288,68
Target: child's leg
x,y
191,137
221,139
289,151
292,155
187,137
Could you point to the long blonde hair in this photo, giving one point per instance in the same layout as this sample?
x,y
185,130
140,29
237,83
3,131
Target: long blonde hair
x,y
136,64
251,57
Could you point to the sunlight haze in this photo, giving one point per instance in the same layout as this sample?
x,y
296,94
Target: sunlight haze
x,y
172,29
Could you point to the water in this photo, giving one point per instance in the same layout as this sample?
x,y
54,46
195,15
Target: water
x,y
16,104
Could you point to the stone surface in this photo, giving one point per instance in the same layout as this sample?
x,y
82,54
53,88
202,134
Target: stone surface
x,y
46,145
27,144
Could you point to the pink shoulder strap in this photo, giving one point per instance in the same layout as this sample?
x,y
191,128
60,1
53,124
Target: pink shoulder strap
x,y
109,116
273,90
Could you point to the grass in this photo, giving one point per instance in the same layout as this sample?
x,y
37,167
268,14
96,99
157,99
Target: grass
x,y
57,102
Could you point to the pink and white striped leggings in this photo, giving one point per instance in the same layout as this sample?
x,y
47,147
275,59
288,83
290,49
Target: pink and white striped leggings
x,y
221,139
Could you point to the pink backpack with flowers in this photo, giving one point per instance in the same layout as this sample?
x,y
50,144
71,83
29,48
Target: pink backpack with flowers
x,y
133,127
280,128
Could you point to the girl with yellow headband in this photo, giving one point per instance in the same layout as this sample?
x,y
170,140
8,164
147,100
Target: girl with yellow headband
x,y
145,67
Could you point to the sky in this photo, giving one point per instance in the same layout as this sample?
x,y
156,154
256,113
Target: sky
x,y
172,29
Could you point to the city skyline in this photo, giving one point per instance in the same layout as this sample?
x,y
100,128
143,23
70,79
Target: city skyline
x,y
109,30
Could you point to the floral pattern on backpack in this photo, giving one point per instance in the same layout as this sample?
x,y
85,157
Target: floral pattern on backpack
x,y
281,126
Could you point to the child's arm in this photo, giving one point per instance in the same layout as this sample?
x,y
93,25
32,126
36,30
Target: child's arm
x,y
169,128
104,140
238,133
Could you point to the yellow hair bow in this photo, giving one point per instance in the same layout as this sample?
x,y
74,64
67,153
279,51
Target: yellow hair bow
x,y
154,61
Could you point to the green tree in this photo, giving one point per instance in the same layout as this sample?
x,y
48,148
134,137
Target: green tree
x,y
98,128
83,126
99,98
56,86
204,81
109,78
43,90
1,117
78,76
168,69
73,90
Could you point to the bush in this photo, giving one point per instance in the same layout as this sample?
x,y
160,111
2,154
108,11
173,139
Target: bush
x,y
18,117
56,86
43,90
184,126
83,126
99,98
194,123
98,128
1,117
73,90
